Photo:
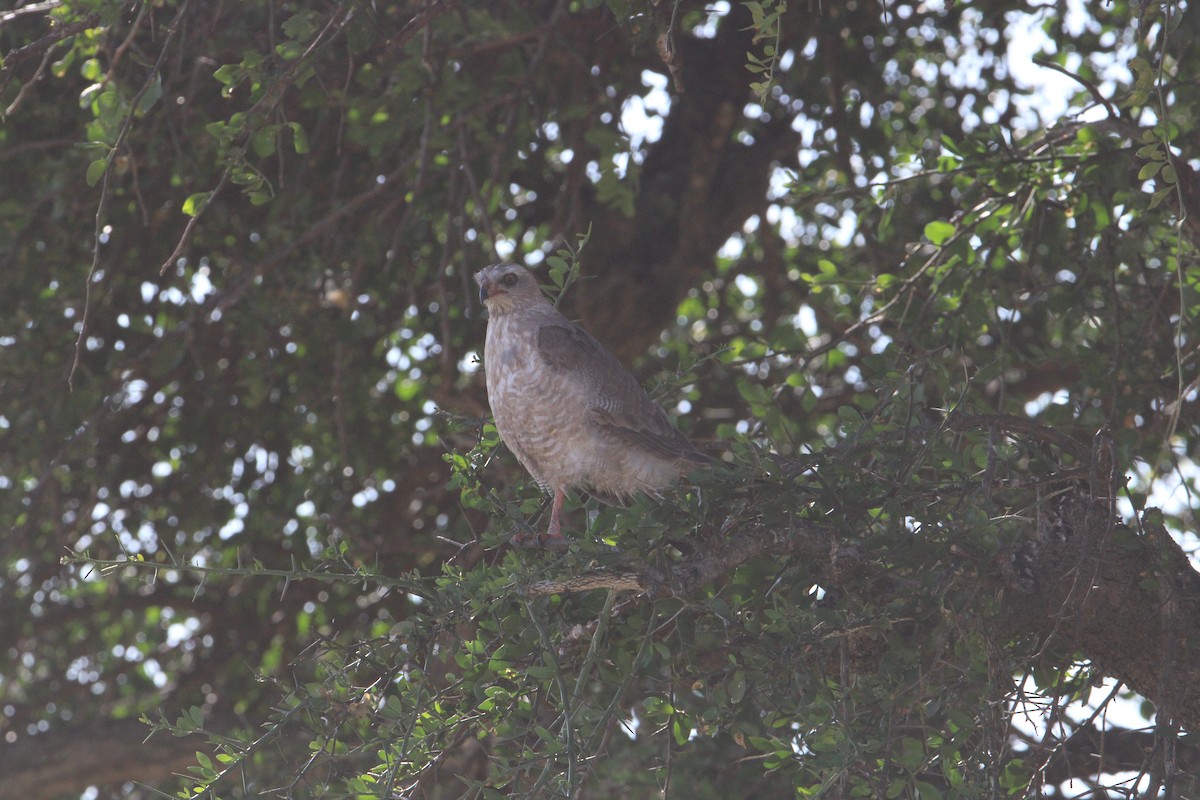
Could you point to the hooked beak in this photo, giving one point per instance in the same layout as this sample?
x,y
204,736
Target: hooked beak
x,y
488,289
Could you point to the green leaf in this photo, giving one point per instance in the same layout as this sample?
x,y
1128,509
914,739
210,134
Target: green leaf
x,y
289,51
195,203
559,268
301,25
263,141
229,74
681,730
195,716
299,138
1159,196
1149,170
88,96
927,791
151,96
737,687
753,393
59,68
939,232
91,69
95,171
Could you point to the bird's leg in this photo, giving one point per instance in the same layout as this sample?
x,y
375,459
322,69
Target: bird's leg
x,y
553,536
554,530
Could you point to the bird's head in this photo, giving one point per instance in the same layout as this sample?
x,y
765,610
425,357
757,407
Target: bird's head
x,y
504,287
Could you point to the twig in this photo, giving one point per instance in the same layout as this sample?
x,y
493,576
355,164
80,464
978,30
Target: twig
x,y
1093,90
811,541
260,110
32,8
11,60
25,87
293,574
102,205
1012,424
599,579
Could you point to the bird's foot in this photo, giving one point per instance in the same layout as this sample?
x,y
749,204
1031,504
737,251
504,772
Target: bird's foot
x,y
552,539
539,541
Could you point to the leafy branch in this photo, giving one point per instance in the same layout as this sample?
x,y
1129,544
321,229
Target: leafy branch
x,y
768,29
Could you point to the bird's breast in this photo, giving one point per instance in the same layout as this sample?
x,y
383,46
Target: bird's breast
x,y
540,413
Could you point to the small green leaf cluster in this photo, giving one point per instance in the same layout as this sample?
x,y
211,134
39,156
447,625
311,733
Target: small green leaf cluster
x,y
767,21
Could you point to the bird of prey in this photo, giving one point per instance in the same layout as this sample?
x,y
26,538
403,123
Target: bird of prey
x,y
572,415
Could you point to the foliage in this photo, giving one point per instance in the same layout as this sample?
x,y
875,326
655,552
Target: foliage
x,y
239,362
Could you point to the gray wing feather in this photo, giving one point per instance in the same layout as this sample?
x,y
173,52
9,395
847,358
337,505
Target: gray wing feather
x,y
616,401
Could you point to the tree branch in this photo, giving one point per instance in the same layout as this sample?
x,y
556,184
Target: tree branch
x,y
1079,583
808,540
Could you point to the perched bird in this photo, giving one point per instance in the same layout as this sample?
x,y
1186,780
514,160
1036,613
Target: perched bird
x,y
572,415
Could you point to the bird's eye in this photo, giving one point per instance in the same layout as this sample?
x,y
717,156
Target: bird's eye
x,y
510,279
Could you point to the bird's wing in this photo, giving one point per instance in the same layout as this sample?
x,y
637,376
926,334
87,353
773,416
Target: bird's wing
x,y
615,400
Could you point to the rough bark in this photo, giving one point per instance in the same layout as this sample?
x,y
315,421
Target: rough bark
x,y
697,187
1126,599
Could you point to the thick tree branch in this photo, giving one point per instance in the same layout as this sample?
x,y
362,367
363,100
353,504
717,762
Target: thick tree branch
x,y
1121,597
1093,751
697,187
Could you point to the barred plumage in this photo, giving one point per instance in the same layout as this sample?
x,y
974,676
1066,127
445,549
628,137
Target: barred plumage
x,y
572,415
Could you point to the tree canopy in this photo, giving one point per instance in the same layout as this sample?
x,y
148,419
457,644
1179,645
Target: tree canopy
x,y
922,274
